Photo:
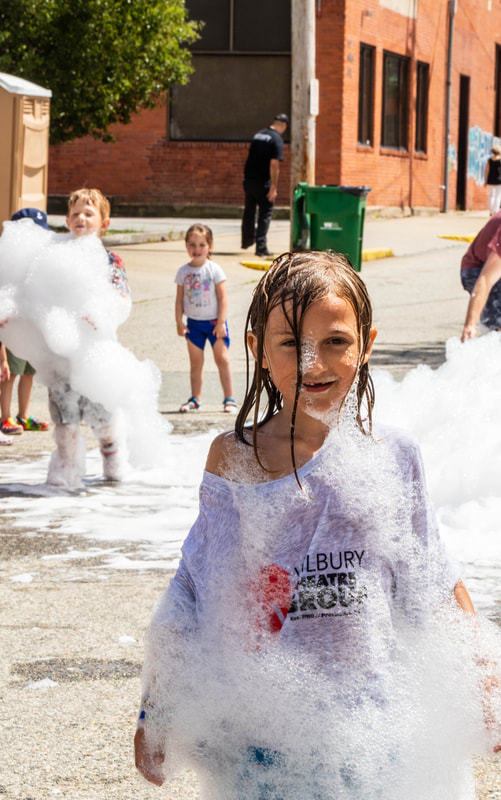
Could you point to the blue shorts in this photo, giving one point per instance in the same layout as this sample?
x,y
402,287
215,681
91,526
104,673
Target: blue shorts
x,y
202,329
491,314
264,769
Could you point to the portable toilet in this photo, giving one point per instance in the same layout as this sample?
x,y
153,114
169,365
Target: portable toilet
x,y
24,144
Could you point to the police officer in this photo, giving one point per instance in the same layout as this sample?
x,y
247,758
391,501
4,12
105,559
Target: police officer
x,y
261,183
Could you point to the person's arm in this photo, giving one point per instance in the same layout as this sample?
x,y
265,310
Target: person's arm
x,y
274,173
462,598
4,364
491,680
222,310
149,764
182,330
490,274
167,637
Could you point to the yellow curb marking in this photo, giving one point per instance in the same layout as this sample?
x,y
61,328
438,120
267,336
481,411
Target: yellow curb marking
x,y
370,255
262,265
367,255
469,238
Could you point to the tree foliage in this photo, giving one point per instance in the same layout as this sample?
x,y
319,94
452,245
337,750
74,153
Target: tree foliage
x,y
103,59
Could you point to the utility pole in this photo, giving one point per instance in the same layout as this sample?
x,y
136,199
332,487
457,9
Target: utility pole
x,y
304,99
452,7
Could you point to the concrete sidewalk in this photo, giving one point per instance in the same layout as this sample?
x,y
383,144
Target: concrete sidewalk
x,y
402,235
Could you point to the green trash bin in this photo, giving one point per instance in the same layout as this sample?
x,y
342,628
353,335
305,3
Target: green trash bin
x,y
330,218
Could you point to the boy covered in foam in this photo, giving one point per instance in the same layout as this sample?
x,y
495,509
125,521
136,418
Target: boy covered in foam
x,y
62,299
88,213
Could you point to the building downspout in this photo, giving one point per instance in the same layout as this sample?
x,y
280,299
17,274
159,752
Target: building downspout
x,y
412,112
304,95
452,14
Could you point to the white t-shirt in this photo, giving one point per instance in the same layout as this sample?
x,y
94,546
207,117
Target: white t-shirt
x,y
338,555
200,299
292,623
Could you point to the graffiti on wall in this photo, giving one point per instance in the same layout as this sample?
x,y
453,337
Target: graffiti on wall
x,y
479,150
452,157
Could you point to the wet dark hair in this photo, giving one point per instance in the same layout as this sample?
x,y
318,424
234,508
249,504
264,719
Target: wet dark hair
x,y
203,230
301,279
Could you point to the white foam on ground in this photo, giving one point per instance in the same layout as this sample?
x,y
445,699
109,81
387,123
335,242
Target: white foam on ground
x,y
153,509
452,411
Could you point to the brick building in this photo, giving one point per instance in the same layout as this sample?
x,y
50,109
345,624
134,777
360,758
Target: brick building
x,y
382,67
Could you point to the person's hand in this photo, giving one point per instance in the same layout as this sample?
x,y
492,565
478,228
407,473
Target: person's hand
x,y
182,330
469,332
4,371
148,763
491,687
220,330
272,194
3,322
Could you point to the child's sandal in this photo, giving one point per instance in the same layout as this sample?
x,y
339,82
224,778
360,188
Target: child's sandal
x,y
229,405
191,405
32,424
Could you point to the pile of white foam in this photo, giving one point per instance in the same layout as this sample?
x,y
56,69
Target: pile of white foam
x,y
453,412
59,310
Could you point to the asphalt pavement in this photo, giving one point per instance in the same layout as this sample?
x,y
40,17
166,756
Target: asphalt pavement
x,y
71,625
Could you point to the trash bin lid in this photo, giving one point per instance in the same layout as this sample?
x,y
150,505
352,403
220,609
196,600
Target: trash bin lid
x,y
359,191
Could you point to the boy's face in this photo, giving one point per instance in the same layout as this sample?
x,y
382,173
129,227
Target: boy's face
x,y
84,219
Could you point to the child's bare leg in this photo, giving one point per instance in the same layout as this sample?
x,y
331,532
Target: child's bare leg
x,y
6,396
111,452
196,369
222,359
24,389
66,466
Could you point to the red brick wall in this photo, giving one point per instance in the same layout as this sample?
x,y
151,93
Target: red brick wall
x,y
330,74
397,178
142,166
413,179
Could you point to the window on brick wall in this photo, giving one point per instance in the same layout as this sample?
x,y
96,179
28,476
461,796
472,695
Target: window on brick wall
x,y
366,94
395,115
242,71
497,78
422,79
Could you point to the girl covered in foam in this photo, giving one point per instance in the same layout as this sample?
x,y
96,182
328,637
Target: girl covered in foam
x,y
316,640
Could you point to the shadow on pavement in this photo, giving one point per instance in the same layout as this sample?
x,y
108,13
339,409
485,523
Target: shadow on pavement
x,y
399,358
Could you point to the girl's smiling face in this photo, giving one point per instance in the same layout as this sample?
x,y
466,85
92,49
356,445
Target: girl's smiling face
x,y
198,249
330,354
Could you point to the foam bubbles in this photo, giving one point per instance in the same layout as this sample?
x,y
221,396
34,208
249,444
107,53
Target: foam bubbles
x,y
454,413
60,311
324,659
